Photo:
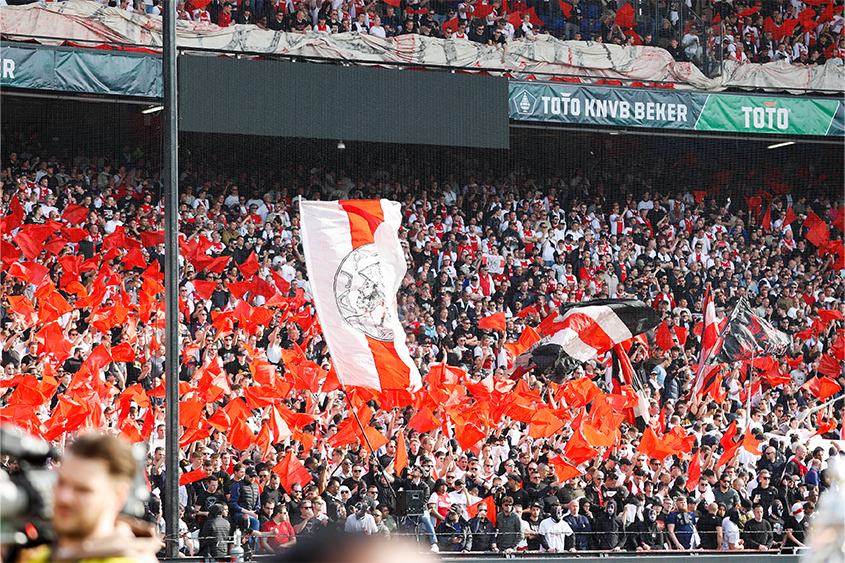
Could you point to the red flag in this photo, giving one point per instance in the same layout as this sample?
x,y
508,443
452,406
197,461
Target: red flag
x,y
152,238
472,509
839,221
250,266
482,10
291,471
204,289
625,16
468,435
134,259
75,214
533,18
811,220
564,470
767,220
663,337
530,310
750,11
751,444
493,322
790,217
577,449
424,421
694,472
452,25
566,8
240,436
28,245
192,476
123,353
401,454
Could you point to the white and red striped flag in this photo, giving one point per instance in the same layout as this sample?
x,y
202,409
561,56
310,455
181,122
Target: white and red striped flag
x,y
355,266
709,339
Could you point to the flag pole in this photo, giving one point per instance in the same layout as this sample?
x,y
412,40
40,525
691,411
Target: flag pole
x,y
750,387
366,438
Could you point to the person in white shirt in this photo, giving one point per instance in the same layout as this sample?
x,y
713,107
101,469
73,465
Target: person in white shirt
x,y
376,30
527,27
555,530
361,521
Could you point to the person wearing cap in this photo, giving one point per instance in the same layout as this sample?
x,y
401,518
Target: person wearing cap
x,y
453,532
244,499
514,489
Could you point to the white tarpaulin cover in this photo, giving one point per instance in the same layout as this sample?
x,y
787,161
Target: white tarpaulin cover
x,y
587,62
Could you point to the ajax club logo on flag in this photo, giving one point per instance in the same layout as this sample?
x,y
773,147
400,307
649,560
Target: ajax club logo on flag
x,y
360,293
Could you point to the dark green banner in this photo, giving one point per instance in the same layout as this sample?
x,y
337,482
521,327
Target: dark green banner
x,y
90,71
678,110
604,106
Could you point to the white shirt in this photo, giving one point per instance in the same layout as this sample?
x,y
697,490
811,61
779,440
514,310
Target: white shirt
x,y
366,525
730,534
555,533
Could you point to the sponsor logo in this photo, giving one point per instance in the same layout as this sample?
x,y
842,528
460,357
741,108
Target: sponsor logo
x,y
770,117
524,102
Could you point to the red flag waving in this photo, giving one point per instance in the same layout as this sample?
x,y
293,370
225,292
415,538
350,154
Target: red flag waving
x,y
291,471
625,16
493,322
566,8
192,476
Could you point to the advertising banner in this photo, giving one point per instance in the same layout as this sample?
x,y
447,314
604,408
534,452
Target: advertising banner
x,y
763,114
91,72
676,110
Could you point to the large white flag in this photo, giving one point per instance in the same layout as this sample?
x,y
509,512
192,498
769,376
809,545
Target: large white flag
x,y
355,266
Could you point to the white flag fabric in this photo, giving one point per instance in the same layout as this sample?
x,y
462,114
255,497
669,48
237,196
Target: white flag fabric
x,y
355,266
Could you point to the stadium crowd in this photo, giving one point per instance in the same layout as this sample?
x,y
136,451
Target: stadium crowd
x,y
82,348
799,32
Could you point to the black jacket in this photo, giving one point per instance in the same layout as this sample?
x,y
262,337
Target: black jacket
x,y
646,534
610,532
483,533
757,533
215,534
447,532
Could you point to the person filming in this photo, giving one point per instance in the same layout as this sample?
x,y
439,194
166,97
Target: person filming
x,y
94,481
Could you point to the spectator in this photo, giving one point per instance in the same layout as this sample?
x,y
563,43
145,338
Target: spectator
x,y
483,531
280,534
508,527
757,533
556,532
453,532
680,525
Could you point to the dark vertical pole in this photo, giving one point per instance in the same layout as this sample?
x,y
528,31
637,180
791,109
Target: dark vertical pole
x,y
171,275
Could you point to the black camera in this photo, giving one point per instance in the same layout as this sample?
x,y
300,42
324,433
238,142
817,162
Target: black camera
x,y
26,499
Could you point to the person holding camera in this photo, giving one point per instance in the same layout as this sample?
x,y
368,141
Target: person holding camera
x,y
94,482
